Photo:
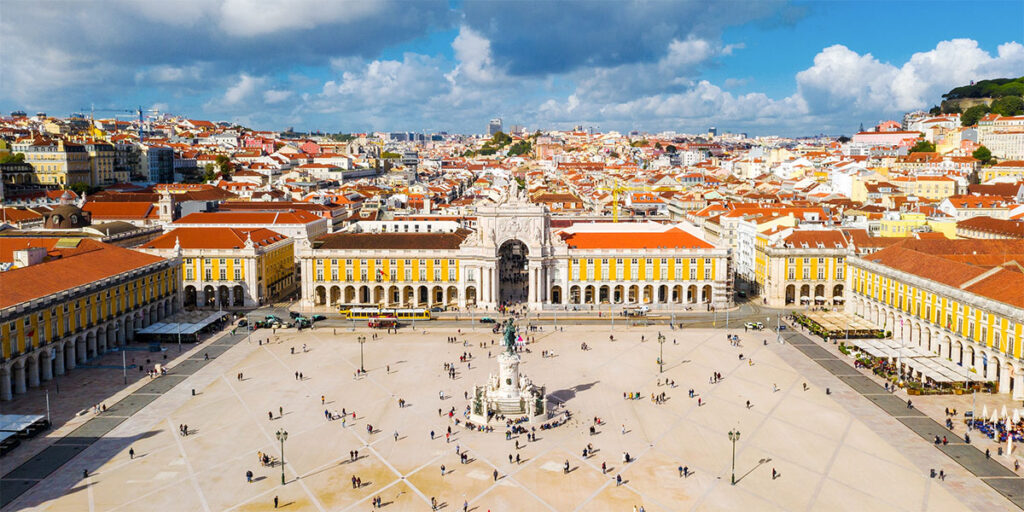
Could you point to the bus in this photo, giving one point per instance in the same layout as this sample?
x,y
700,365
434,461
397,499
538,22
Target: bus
x,y
382,322
368,312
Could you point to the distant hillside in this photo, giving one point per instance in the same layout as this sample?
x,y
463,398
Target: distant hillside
x,y
1000,95
995,88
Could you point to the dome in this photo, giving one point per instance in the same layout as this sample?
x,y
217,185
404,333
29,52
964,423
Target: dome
x,y
66,216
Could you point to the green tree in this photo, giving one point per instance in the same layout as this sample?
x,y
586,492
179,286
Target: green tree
x,y
224,164
500,139
843,139
936,110
211,172
670,148
520,148
80,188
657,145
970,116
923,146
1008,106
12,158
982,154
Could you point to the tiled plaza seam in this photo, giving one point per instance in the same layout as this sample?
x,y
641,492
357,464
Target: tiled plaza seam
x,y
971,459
66,448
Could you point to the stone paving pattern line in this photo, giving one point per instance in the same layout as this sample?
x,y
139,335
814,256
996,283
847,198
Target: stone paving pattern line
x,y
1008,484
13,484
835,452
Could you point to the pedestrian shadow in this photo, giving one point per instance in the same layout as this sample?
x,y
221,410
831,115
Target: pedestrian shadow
x,y
364,484
258,479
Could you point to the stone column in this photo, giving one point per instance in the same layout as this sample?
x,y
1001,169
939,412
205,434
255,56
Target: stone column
x,y
46,367
58,355
5,384
33,371
19,379
69,355
1004,380
1018,385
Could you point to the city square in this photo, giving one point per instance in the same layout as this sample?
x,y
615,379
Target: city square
x,y
829,449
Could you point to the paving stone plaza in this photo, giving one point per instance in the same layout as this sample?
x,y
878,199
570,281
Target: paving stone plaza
x,y
830,451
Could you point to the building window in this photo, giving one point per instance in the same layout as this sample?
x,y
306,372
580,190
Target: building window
x,y
188,274
223,274
348,274
807,272
319,274
821,273
707,274
238,274
208,274
362,274
408,274
334,274
451,275
437,275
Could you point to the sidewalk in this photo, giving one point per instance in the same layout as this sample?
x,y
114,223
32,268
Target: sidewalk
x,y
35,460
992,472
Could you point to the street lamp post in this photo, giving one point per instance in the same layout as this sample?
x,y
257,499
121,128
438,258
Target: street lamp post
x,y
361,340
282,435
734,435
661,352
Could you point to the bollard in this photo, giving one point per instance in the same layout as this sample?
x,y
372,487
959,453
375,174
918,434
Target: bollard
x,y
193,392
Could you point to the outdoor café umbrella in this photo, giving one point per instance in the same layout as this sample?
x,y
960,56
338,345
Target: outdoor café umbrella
x,y
984,411
1003,414
995,416
1016,415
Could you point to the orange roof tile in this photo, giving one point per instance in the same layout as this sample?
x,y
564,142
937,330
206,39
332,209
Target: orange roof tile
x,y
673,238
65,269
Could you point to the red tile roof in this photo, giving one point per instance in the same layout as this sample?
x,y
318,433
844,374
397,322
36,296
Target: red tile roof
x,y
214,238
64,269
672,238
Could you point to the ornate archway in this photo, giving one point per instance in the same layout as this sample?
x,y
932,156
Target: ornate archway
x,y
513,273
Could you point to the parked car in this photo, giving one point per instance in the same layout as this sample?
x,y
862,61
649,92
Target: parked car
x,y
487,320
756,326
317,318
243,322
273,319
436,309
294,314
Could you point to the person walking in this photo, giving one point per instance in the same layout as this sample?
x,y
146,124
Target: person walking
x,y
442,469
495,475
131,453
275,501
248,476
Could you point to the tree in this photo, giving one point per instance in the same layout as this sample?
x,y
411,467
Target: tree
x,y
224,164
82,188
657,145
936,110
670,148
982,154
211,172
843,139
389,155
500,139
1008,106
970,116
520,148
923,146
15,158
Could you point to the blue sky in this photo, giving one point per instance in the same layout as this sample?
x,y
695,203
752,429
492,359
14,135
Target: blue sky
x,y
762,67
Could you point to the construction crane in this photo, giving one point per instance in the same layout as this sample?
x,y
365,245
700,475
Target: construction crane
x,y
619,188
138,111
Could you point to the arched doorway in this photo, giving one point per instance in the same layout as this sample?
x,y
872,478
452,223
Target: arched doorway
x,y
513,273
190,296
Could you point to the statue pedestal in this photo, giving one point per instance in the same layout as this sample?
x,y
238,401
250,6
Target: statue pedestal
x,y
508,393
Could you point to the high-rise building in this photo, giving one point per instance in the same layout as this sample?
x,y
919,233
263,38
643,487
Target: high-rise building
x,y
494,126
